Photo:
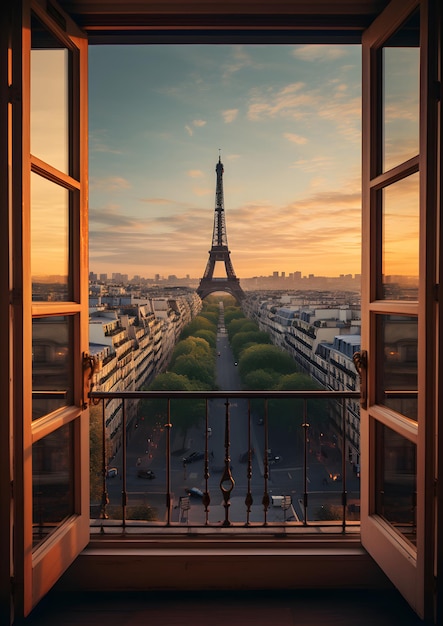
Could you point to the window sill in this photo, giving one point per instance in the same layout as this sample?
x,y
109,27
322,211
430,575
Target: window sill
x,y
190,561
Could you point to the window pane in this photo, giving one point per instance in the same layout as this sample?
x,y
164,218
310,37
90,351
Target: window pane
x,y
396,481
49,240
52,482
401,82
49,98
51,364
397,363
400,239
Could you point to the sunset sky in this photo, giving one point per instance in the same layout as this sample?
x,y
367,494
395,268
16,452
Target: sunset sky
x,y
286,120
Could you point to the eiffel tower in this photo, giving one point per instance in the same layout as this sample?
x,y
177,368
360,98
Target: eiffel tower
x,y
219,250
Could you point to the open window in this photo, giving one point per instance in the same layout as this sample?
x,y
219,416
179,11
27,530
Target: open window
x,y
398,309
49,327
51,322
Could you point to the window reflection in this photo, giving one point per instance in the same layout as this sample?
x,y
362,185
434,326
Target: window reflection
x,y
52,482
400,239
49,98
49,240
401,61
396,476
397,363
51,364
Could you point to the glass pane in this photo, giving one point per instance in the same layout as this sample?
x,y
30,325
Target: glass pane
x,y
401,84
49,98
51,364
396,476
397,363
400,239
49,240
52,482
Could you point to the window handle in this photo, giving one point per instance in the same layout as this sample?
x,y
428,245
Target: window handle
x,y
89,366
361,365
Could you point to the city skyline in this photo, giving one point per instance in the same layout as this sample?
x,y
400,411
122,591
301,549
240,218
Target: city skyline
x,y
286,122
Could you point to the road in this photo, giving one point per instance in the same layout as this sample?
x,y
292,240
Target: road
x,y
147,449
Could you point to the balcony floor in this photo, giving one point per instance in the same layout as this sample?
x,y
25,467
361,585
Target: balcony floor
x,y
247,608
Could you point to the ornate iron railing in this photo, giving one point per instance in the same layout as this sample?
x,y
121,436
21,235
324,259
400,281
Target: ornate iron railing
x,y
291,466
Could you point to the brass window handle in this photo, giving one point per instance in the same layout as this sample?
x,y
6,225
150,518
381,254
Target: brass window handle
x,y
361,365
89,366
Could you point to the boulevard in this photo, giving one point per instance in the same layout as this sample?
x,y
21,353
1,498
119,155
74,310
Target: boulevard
x,y
146,450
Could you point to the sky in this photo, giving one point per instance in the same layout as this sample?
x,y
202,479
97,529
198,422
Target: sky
x,y
286,122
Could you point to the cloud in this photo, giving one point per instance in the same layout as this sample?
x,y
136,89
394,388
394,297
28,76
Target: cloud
x,y
195,173
109,183
300,235
298,139
229,115
297,102
98,142
319,230
312,166
291,100
238,60
110,217
158,201
319,52
194,124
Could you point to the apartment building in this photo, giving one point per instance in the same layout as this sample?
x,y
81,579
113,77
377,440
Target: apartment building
x,y
130,345
322,340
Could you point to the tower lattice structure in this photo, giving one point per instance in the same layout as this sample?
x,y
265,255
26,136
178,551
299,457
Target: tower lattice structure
x,y
219,251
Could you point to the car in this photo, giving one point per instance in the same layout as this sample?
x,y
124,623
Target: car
x,y
112,472
336,478
194,492
145,474
235,363
194,456
273,459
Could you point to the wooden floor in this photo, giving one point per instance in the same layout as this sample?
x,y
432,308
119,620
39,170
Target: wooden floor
x,y
300,608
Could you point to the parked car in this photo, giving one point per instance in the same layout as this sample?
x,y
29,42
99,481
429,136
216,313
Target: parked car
x,y
194,456
112,472
145,474
194,492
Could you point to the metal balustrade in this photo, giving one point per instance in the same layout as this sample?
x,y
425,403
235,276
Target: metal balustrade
x,y
264,461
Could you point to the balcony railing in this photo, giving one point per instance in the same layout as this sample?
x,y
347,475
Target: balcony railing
x,y
224,460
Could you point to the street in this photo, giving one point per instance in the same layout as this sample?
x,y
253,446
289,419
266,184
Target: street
x,y
146,450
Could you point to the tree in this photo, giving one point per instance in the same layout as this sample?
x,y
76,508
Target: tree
x,y
290,414
198,323
184,413
211,316
232,313
209,336
241,324
194,346
266,357
261,380
240,340
195,368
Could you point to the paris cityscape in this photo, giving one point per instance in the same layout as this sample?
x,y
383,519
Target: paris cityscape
x,y
276,332
302,328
